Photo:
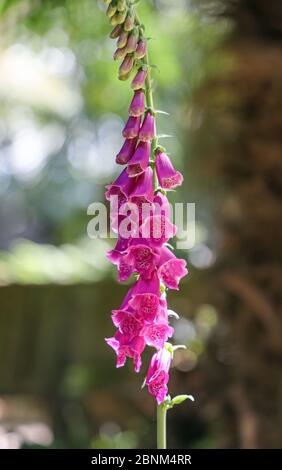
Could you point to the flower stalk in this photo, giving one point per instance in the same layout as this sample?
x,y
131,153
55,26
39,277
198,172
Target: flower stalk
x,y
143,252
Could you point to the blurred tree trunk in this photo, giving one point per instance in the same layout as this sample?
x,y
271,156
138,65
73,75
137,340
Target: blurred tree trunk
x,y
245,110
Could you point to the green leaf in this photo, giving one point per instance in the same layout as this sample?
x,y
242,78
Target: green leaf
x,y
159,111
172,313
164,136
179,346
180,399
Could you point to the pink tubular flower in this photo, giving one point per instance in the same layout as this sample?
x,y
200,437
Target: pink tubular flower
x,y
157,334
146,299
127,323
142,257
168,177
147,131
126,151
122,185
119,249
137,105
140,214
158,228
171,269
139,79
157,376
143,187
131,128
141,49
124,348
140,159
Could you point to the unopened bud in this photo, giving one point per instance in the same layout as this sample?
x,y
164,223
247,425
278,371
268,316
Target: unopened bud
x,y
116,19
139,79
121,5
116,32
124,77
122,40
120,53
111,10
126,66
132,41
129,22
141,49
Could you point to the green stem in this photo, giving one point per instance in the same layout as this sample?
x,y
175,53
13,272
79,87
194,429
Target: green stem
x,y
161,426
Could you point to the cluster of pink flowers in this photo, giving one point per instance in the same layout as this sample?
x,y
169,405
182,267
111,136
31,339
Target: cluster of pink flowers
x,y
148,174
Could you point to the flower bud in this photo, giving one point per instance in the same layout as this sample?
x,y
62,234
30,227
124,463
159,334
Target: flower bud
x,y
141,49
147,131
122,40
124,77
131,128
121,5
139,79
111,10
132,40
116,32
120,54
118,18
126,66
129,22
137,105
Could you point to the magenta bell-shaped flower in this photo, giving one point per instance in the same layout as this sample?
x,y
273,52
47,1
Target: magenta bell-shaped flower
x,y
143,186
171,269
142,257
126,151
122,185
139,79
140,159
137,105
157,334
168,177
157,376
125,347
147,131
131,128
158,229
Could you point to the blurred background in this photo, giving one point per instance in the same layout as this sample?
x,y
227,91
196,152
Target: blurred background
x,y
62,109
